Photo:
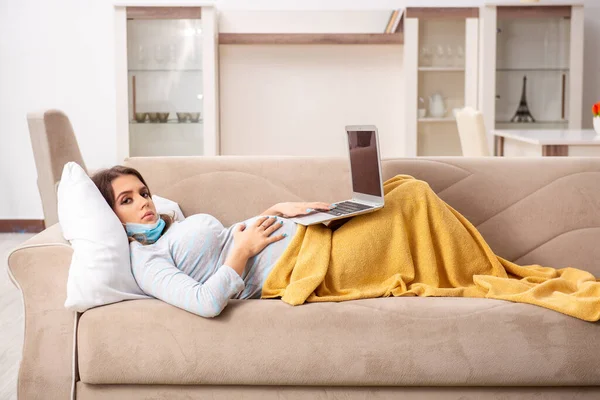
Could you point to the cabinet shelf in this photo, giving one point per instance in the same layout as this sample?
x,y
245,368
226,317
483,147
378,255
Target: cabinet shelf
x,y
534,123
169,122
311,38
533,69
442,69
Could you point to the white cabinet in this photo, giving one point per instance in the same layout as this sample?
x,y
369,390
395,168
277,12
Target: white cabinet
x,y
533,78
166,76
440,67
506,48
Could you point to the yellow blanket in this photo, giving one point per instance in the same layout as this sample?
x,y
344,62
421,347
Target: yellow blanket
x,y
418,245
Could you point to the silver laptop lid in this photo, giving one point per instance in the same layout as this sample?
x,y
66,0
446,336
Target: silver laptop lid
x,y
365,163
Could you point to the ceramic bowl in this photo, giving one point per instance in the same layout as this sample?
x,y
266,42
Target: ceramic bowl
x,y
194,117
141,117
163,116
182,117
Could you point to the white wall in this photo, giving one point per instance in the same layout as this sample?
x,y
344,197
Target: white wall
x,y
298,98
52,55
60,54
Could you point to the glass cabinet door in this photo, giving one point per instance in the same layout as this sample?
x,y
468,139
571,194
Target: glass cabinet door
x,y
165,93
441,84
532,71
441,72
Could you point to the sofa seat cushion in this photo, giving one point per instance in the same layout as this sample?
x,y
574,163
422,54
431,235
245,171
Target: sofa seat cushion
x,y
420,341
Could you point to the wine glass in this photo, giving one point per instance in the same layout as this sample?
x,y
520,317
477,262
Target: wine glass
x,y
449,58
172,53
460,56
142,54
160,53
425,56
439,55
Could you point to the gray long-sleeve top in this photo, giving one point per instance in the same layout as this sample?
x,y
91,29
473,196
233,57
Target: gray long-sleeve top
x,y
185,266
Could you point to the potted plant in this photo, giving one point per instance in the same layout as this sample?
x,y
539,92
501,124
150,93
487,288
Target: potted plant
x,y
596,114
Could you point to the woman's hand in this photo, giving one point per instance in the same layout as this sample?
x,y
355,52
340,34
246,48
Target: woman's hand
x,y
252,239
288,210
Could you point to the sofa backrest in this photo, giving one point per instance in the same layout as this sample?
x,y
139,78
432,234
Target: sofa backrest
x,y
529,210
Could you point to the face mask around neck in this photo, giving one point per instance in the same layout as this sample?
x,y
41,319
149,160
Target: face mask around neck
x,y
150,232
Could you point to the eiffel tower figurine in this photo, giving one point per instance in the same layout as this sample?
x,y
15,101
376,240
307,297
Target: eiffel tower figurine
x,y
523,114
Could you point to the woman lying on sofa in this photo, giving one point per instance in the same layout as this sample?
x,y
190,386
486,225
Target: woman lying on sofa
x,y
417,245
197,264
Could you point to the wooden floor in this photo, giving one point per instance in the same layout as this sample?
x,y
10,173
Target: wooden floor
x,y
11,320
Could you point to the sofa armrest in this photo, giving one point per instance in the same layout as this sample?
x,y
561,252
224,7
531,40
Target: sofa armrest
x,y
39,268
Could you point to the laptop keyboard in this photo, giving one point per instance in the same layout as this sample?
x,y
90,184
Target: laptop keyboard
x,y
347,207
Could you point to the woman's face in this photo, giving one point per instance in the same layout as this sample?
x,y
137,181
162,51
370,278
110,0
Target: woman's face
x,y
133,202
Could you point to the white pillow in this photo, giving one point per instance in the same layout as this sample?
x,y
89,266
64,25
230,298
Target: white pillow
x,y
100,271
169,207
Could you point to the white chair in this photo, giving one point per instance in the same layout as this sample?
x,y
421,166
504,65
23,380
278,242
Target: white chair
x,y
473,136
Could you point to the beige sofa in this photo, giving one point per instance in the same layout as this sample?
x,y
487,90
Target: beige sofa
x,y
530,210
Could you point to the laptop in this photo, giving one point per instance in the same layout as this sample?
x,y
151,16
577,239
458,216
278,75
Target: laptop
x,y
365,172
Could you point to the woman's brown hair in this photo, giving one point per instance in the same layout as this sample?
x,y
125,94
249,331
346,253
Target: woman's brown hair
x,y
103,181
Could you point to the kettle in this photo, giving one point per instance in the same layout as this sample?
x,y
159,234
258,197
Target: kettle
x,y
437,107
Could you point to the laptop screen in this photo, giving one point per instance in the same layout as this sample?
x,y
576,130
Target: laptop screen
x,y
364,163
